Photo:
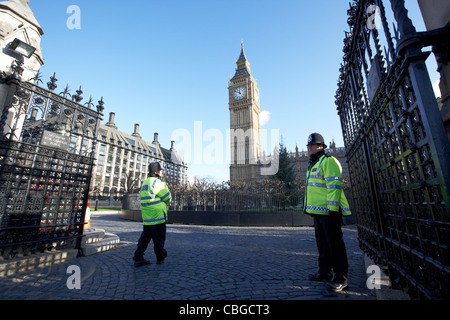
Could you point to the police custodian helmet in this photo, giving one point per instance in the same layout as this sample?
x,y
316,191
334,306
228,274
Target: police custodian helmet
x,y
154,167
316,138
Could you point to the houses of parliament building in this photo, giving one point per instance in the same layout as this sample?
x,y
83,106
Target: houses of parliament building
x,y
245,140
122,157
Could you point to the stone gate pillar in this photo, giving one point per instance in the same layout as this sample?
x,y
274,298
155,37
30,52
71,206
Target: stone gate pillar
x,y
436,15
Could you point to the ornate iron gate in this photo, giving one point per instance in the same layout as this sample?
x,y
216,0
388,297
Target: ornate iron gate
x,y
398,152
47,146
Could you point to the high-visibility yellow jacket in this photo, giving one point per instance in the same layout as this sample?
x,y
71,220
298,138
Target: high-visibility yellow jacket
x,y
155,196
324,188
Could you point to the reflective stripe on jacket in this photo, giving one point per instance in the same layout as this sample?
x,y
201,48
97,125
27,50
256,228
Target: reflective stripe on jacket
x,y
324,191
155,196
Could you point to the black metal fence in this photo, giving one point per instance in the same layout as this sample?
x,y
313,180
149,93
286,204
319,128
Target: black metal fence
x,y
47,144
258,196
397,150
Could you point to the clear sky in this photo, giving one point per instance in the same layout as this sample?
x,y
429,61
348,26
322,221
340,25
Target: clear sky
x,y
166,65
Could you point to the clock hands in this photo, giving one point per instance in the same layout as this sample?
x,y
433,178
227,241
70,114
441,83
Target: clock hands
x,y
239,93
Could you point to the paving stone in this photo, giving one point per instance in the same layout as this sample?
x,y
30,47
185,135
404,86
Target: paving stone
x,y
204,263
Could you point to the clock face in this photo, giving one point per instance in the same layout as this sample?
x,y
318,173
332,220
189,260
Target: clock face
x,y
239,93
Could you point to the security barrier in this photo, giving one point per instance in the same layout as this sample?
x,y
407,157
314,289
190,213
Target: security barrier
x,y
398,152
46,159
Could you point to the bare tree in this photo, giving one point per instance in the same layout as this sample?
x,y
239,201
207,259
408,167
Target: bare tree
x,y
130,184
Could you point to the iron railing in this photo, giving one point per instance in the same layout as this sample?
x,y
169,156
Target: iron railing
x,y
47,144
397,150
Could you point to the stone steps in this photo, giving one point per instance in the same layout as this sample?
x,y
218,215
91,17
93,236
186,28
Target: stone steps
x,y
98,241
93,242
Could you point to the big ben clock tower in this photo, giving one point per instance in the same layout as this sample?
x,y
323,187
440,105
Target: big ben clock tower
x,y
245,140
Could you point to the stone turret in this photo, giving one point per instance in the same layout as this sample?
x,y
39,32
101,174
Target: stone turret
x,y
18,29
17,21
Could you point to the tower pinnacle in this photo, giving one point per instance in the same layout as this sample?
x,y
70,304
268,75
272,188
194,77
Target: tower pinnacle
x,y
242,65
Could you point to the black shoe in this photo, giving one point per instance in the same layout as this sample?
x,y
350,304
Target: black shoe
x,y
319,277
161,257
338,286
141,263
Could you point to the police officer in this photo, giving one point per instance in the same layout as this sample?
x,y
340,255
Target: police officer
x,y
326,202
155,196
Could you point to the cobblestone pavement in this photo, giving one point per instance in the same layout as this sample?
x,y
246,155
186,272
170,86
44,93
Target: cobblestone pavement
x,y
204,263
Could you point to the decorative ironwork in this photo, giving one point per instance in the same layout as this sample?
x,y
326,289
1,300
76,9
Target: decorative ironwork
x,y
47,145
397,151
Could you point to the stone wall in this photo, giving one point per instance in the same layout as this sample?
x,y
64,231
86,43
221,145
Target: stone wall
x,y
243,219
131,211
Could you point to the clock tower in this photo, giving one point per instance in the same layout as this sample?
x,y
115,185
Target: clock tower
x,y
245,139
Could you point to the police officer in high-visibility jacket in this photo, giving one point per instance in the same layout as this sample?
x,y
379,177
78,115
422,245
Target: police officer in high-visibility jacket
x,y
326,202
155,196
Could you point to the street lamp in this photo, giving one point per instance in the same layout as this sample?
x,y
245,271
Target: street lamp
x,y
22,48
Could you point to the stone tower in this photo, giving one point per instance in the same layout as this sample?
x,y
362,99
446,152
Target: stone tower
x,y
245,139
18,28
17,21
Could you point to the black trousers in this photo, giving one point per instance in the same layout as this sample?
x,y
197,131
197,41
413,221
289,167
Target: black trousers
x,y
331,246
157,233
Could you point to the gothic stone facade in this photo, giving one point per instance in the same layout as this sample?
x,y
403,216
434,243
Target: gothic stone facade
x,y
244,109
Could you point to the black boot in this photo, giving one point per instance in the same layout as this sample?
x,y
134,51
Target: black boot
x,y
141,263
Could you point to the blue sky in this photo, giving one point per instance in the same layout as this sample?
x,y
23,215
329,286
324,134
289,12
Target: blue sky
x,y
166,64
